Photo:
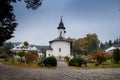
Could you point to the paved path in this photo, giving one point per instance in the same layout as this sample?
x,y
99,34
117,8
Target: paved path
x,y
62,72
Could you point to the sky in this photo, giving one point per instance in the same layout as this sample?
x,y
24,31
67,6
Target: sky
x,y
80,17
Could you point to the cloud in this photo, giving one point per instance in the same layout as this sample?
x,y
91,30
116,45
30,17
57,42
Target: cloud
x,y
80,17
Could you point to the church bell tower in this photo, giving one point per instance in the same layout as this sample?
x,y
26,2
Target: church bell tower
x,y
61,29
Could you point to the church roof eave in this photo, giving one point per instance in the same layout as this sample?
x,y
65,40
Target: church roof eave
x,y
60,39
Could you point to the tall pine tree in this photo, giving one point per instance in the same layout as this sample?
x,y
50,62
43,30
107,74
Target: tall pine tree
x,y
7,17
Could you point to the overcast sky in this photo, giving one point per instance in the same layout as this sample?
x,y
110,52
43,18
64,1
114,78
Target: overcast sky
x,y
80,17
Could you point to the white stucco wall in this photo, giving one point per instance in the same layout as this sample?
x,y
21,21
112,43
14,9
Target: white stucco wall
x,y
63,45
62,32
49,53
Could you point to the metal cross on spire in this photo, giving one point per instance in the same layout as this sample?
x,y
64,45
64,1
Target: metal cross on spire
x,y
61,18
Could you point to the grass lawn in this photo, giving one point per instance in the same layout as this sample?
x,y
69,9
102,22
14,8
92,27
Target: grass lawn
x,y
1,60
24,65
35,65
21,65
102,66
105,65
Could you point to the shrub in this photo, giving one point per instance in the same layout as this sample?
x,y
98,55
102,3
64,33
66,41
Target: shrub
x,y
96,64
41,64
87,58
4,56
116,56
100,57
31,56
77,61
50,62
21,54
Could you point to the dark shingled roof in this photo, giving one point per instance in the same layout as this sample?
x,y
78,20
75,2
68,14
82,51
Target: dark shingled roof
x,y
61,25
60,39
44,47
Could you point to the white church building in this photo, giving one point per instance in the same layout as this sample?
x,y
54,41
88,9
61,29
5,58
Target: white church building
x,y
60,47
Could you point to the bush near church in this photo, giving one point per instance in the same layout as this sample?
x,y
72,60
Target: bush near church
x,y
77,61
50,62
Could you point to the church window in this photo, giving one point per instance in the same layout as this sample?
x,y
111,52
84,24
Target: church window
x,y
59,49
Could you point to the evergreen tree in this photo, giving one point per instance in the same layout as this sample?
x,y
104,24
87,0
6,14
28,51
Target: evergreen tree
x,y
7,20
26,44
117,42
116,56
102,46
110,43
7,17
7,46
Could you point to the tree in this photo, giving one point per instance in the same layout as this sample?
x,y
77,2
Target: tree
x,y
83,45
116,56
26,44
102,46
21,54
117,42
93,42
7,18
110,43
6,47
86,45
75,48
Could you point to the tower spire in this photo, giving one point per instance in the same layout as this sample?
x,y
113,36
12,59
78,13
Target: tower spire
x,y
61,18
61,25
61,28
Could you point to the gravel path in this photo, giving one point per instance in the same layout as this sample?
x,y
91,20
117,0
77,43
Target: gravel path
x,y
62,72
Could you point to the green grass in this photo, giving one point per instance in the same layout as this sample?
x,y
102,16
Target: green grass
x,y
105,65
24,65
21,65
2,60
101,66
35,65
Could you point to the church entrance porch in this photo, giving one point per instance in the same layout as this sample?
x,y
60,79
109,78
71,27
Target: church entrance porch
x,y
63,58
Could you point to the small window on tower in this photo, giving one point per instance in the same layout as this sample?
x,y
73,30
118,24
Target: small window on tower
x,y
59,49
